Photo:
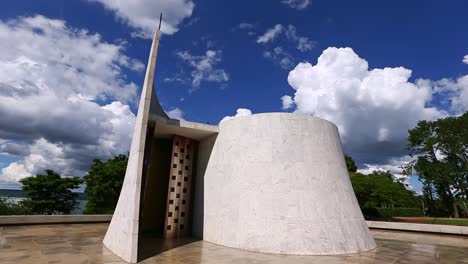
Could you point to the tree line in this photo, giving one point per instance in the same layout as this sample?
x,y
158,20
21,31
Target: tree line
x,y
440,160
50,193
381,195
439,152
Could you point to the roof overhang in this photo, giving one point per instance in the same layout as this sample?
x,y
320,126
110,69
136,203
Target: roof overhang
x,y
166,128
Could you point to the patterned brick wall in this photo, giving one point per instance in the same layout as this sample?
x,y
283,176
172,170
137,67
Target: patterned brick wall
x,y
180,182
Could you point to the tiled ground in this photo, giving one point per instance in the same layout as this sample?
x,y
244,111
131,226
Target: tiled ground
x,y
81,243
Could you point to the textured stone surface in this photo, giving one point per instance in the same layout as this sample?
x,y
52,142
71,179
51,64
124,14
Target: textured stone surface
x,y
278,183
122,235
81,243
204,153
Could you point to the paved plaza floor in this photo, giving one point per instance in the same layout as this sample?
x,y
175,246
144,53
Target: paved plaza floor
x,y
82,243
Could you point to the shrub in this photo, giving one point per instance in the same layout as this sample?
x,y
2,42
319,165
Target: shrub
x,y
407,212
388,213
370,213
11,208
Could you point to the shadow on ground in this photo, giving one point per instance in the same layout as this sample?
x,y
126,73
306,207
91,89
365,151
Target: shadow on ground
x,y
150,246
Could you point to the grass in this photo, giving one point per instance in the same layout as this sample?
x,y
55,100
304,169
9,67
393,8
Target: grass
x,y
437,221
432,220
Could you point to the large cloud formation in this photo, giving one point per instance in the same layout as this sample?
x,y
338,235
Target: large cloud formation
x,y
63,97
143,15
373,108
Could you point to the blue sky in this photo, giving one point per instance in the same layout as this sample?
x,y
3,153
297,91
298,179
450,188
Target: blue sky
x,y
427,37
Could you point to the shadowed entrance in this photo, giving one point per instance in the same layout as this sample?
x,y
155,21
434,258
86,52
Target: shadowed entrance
x,y
166,208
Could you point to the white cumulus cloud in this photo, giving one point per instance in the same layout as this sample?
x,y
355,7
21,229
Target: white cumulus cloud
x,y
287,102
204,67
73,159
373,108
63,97
465,59
240,112
282,58
454,92
394,166
143,15
270,34
176,113
282,54
302,43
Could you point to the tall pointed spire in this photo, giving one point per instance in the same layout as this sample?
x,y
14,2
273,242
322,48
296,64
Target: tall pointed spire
x,y
155,106
160,22
122,234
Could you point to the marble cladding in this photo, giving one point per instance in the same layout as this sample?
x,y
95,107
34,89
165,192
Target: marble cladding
x,y
277,183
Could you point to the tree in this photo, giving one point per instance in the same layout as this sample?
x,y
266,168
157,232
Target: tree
x,y
381,189
440,151
103,184
350,164
50,193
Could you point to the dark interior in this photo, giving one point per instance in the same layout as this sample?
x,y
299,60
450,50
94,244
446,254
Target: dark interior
x,y
154,188
155,182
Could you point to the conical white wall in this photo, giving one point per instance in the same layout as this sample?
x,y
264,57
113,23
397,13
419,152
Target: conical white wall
x,y
278,183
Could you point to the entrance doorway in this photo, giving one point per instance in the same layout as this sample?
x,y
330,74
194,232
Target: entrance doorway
x,y
166,195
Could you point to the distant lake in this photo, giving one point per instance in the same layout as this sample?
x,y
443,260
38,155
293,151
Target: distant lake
x,y
17,196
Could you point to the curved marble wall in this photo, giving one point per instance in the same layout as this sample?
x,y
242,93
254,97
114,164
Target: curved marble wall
x,y
277,183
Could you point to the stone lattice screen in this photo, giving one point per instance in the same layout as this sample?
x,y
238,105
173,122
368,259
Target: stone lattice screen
x,y
180,182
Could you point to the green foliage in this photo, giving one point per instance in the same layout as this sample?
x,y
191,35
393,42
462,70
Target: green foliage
x,y
439,221
388,213
11,208
350,164
380,189
50,193
380,195
103,184
440,151
371,213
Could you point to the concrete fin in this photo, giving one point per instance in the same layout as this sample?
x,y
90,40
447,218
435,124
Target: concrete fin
x,y
122,235
156,108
